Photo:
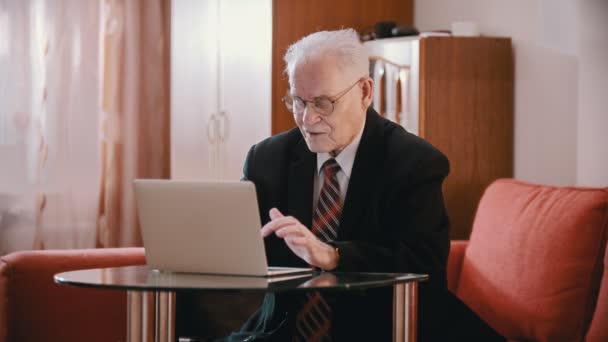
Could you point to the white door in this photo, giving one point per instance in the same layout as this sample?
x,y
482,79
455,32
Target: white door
x,y
220,85
193,87
245,79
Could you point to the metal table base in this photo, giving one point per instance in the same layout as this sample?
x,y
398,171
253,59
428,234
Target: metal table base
x,y
405,312
151,314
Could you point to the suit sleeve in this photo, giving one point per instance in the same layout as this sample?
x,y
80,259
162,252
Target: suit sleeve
x,y
248,164
413,236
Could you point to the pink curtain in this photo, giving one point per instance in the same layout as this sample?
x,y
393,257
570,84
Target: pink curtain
x,y
135,102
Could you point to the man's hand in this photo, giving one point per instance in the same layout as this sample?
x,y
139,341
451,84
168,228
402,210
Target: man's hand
x,y
301,240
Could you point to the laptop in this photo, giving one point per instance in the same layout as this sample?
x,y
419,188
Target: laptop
x,y
203,227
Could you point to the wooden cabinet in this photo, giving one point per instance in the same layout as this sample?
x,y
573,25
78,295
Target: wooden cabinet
x,y
466,110
459,97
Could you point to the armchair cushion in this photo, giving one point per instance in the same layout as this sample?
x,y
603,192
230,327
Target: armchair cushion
x,y
34,308
457,249
522,272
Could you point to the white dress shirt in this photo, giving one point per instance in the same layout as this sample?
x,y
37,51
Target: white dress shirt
x,y
345,159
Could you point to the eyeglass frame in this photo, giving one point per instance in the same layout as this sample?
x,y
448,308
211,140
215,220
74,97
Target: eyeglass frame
x,y
332,99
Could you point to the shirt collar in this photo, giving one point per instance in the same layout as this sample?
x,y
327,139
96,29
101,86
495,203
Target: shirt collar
x,y
346,158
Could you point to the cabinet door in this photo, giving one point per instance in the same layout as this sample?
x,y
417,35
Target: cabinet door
x,y
245,80
466,111
193,88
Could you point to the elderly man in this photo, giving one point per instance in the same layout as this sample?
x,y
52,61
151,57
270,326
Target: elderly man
x,y
345,191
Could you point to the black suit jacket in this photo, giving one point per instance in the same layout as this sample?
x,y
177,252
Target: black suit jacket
x,y
393,220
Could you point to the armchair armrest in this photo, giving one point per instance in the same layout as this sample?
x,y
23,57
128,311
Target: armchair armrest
x,y
457,249
34,308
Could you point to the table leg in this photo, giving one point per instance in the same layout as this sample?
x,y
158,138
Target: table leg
x,y
150,316
405,312
134,319
148,308
166,315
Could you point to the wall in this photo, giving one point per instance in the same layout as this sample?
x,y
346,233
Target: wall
x,y
593,93
558,60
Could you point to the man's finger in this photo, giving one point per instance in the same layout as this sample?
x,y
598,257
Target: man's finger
x,y
275,214
296,240
289,231
280,222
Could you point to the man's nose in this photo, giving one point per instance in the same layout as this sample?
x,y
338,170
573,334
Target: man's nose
x,y
310,115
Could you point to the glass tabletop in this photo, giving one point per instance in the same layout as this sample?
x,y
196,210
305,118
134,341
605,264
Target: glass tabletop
x,y
144,278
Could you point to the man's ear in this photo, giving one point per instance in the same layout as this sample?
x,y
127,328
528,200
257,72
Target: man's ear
x,y
367,92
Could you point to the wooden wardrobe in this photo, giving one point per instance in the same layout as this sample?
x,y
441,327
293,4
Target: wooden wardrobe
x,y
466,111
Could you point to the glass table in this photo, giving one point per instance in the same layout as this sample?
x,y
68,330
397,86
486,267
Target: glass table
x,y
151,293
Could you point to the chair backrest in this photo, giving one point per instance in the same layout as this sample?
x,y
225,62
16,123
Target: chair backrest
x,y
598,331
34,308
534,262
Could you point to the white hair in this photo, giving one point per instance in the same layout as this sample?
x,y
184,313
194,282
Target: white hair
x,y
352,56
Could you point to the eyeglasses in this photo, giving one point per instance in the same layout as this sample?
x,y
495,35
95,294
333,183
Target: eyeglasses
x,y
323,105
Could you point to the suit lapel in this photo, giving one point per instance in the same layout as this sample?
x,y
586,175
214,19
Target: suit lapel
x,y
300,184
363,176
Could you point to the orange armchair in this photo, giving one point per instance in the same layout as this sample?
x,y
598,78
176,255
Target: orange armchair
x,y
34,308
536,267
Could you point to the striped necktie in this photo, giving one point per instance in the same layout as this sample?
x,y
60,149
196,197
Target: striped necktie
x,y
313,321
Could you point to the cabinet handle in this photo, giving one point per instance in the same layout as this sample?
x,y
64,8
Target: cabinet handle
x,y
211,128
212,135
222,126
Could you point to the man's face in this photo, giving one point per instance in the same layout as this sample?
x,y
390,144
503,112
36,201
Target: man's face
x,y
328,133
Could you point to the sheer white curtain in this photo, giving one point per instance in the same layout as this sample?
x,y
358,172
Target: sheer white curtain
x,y
17,217
84,109
70,161
50,113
